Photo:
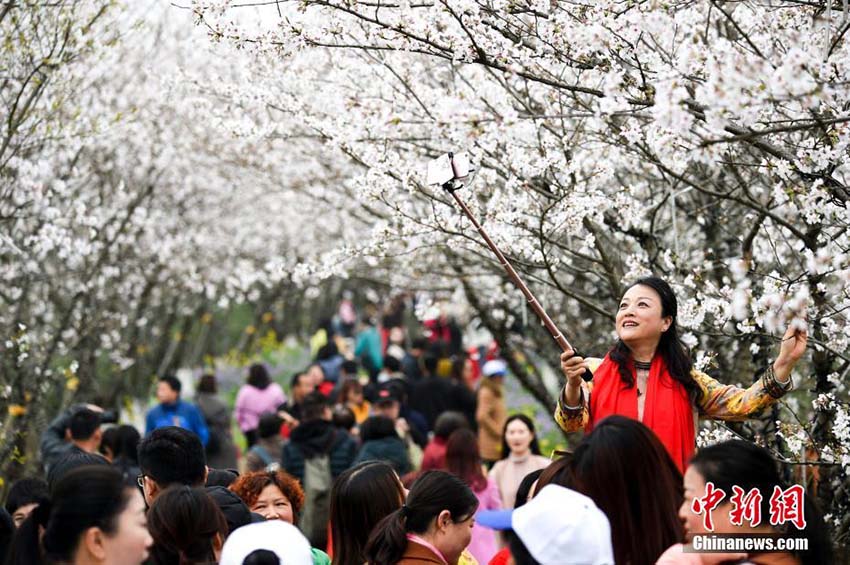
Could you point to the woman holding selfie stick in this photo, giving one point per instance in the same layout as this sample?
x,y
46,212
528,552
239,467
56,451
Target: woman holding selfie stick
x,y
648,375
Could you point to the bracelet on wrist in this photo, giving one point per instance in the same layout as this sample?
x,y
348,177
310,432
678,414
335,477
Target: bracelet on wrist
x,y
567,407
772,385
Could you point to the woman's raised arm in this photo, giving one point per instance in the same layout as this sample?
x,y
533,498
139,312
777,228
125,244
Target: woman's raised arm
x,y
732,403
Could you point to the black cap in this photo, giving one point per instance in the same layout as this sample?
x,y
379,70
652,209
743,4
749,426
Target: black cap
x,y
221,477
234,510
388,392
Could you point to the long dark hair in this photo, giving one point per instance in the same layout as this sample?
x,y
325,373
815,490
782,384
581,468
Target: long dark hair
x,y
127,443
349,385
670,347
628,473
558,472
107,442
258,376
361,497
184,523
464,460
525,486
86,497
743,464
535,446
433,492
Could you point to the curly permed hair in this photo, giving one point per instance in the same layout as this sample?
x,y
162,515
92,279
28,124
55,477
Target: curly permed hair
x,y
249,486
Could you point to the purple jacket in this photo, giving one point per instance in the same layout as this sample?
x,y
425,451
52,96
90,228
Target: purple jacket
x,y
252,402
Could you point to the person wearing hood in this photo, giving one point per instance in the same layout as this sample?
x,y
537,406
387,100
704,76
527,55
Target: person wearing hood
x,y
317,453
315,437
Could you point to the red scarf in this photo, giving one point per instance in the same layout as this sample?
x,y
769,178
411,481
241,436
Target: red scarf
x,y
667,410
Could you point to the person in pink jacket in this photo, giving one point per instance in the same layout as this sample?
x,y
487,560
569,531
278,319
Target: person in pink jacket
x,y
257,397
463,460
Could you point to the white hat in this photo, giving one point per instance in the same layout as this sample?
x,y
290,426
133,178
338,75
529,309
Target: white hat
x,y
494,368
562,526
280,537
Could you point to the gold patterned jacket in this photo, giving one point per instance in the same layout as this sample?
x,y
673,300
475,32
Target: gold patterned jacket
x,y
719,402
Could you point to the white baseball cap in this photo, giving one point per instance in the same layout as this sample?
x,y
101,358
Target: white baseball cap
x,y
282,538
494,368
564,527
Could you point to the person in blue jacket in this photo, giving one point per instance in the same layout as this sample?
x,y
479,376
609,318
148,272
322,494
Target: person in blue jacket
x,y
172,411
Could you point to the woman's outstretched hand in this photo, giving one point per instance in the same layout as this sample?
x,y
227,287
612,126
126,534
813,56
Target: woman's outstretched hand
x,y
573,367
793,347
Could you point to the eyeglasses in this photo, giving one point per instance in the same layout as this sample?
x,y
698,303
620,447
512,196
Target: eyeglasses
x,y
140,480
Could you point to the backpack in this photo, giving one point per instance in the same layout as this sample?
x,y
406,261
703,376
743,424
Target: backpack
x,y
265,457
317,500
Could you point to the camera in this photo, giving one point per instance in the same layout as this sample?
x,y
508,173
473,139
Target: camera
x,y
109,417
448,168
106,416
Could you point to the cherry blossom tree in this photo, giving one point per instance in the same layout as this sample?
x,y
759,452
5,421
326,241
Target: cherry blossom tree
x,y
150,177
702,141
135,205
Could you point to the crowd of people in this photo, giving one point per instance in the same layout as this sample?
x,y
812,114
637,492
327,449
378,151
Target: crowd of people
x,y
387,450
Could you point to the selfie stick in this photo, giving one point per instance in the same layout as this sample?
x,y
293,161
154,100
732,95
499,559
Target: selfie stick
x,y
451,187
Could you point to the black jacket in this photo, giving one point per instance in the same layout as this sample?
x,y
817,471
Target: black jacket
x,y
431,397
316,438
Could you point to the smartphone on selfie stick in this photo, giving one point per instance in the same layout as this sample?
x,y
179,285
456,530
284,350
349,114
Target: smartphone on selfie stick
x,y
451,172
